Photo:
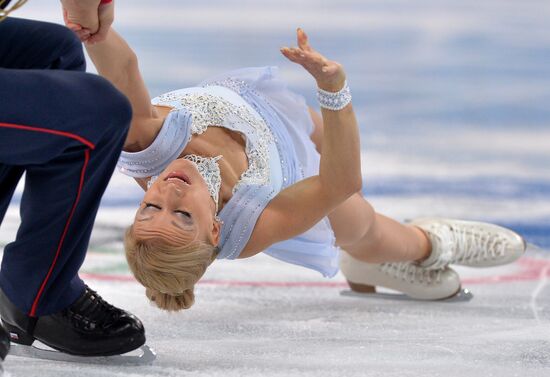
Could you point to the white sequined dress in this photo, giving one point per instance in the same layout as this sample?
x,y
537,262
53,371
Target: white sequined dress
x,y
276,125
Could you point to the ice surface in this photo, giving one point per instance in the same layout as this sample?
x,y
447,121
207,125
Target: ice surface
x,y
303,329
452,98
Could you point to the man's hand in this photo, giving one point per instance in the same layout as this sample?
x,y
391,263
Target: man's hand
x,y
89,19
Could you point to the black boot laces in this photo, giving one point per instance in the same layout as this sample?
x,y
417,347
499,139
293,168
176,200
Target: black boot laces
x,y
91,312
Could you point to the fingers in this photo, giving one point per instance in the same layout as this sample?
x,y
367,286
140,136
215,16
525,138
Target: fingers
x,y
89,24
71,25
305,58
315,64
106,16
83,34
100,36
286,53
294,54
82,13
65,18
328,74
302,39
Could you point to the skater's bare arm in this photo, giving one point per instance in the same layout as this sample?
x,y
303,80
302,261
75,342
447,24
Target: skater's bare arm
x,y
300,206
116,61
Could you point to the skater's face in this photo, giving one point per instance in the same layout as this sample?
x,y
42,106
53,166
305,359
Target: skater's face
x,y
178,208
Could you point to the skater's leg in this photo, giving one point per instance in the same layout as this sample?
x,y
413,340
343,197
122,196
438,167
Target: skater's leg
x,y
69,150
30,109
375,238
67,130
367,235
378,251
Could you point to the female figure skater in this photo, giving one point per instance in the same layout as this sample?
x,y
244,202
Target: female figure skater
x,y
239,165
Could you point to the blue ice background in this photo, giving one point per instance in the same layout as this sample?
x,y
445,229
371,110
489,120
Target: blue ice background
x,y
422,72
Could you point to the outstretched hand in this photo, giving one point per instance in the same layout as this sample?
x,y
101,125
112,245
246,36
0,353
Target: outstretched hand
x,y
89,19
329,74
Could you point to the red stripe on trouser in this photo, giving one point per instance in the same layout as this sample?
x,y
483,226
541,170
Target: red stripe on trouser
x,y
90,145
87,143
60,245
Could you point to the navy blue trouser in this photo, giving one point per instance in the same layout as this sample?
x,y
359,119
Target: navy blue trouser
x,y
65,129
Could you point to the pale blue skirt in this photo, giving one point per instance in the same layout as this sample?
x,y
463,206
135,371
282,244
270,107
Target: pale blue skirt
x,y
287,115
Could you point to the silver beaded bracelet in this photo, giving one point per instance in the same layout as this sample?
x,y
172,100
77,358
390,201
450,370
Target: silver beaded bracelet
x,y
334,101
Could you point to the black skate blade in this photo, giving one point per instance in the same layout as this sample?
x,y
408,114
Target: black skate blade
x,y
464,295
142,356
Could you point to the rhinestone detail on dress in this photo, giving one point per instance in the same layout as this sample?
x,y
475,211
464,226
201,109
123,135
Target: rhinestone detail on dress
x,y
210,110
210,171
242,88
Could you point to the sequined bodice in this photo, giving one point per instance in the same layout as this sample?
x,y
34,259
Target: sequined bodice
x,y
212,110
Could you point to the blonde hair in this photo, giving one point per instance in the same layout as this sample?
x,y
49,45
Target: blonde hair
x,y
168,272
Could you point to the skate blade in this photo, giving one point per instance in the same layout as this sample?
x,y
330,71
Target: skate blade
x,y
464,295
142,356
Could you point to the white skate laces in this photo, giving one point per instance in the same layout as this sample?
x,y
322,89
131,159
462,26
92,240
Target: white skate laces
x,y
411,273
443,246
407,277
465,246
469,243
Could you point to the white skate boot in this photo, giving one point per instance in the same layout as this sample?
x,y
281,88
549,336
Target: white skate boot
x,y
407,277
469,243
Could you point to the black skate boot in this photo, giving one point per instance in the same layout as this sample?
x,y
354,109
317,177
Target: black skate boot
x,y
89,327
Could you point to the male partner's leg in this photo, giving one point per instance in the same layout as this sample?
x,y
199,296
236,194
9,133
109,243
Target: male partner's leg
x,y
66,129
29,44
69,145
367,235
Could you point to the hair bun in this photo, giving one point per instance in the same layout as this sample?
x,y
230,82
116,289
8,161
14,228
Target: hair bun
x,y
171,302
164,267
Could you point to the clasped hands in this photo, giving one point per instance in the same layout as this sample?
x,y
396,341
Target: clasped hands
x,y
89,19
